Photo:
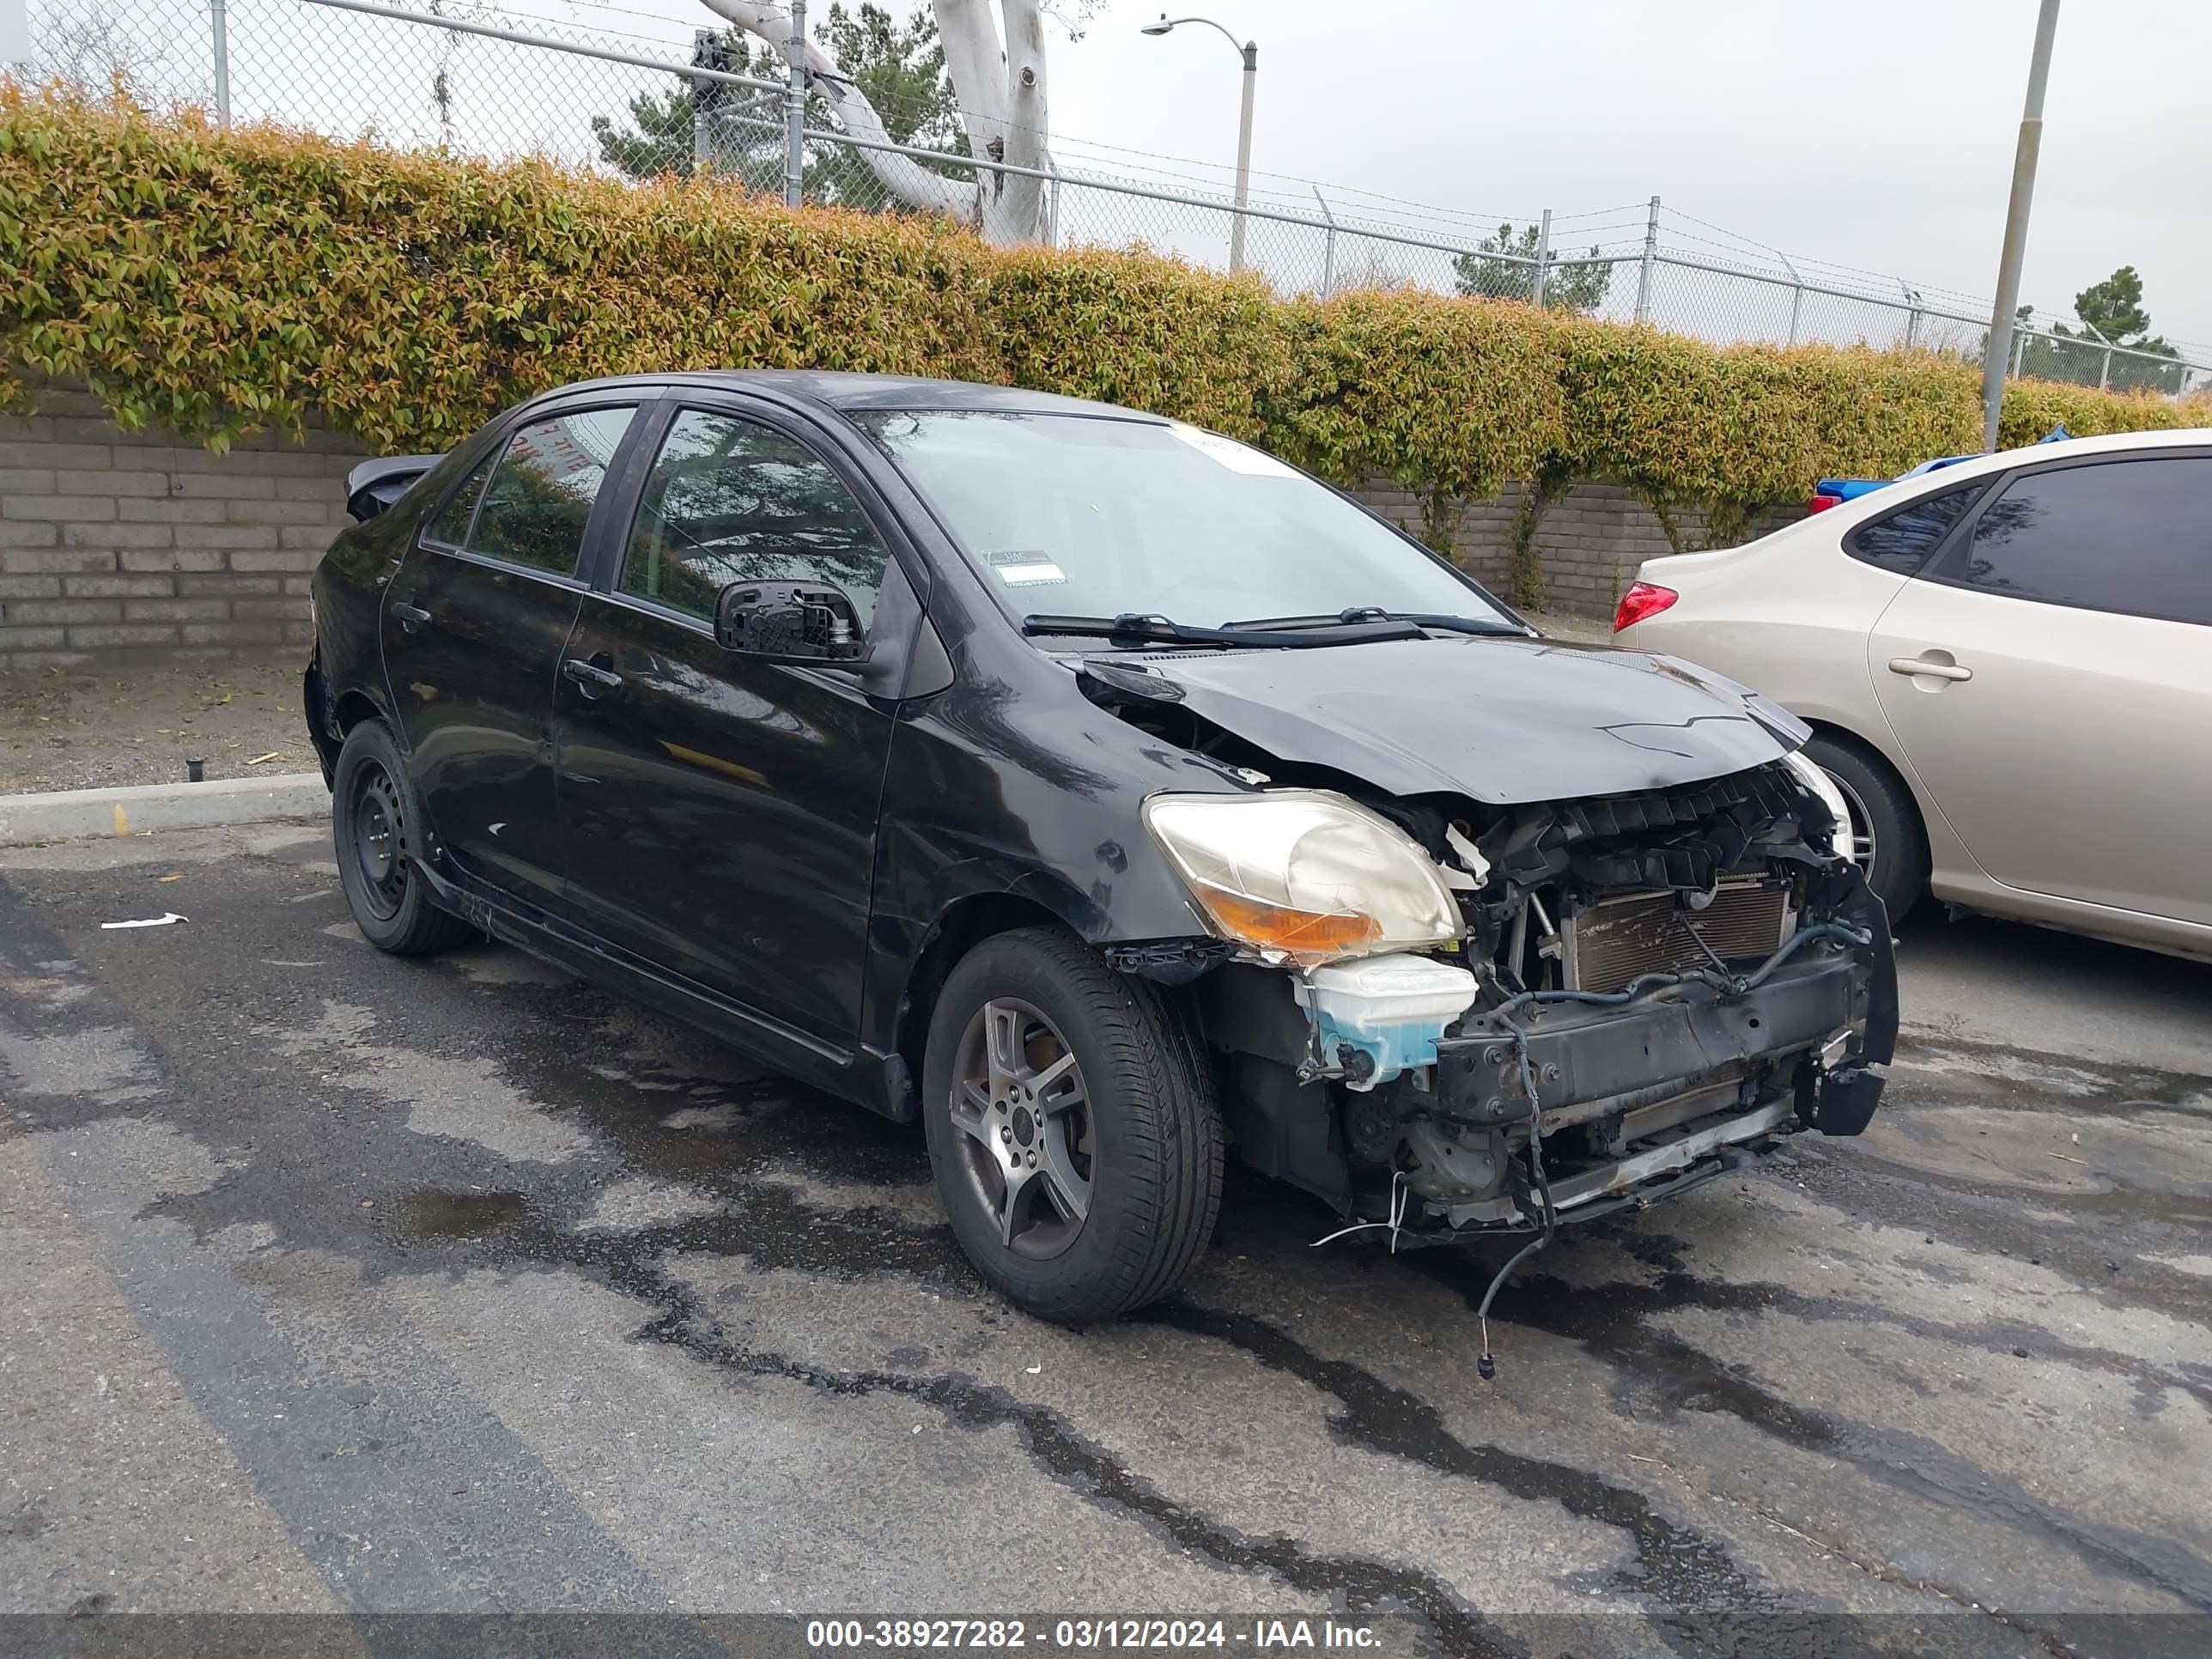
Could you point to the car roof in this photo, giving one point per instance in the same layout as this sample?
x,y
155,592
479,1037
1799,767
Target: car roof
x,y
2037,455
850,393
1874,503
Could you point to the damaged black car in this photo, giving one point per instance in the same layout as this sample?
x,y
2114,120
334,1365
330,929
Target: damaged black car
x,y
1104,794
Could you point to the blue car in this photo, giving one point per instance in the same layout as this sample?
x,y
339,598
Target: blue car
x,y
1834,492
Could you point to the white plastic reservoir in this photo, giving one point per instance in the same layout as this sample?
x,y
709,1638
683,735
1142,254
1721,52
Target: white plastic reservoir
x,y
1392,1008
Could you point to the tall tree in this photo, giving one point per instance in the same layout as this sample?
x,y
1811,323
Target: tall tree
x,y
900,66
998,87
1487,272
659,139
2111,314
95,52
2114,307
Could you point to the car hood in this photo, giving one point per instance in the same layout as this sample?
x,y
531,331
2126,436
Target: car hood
x,y
1505,720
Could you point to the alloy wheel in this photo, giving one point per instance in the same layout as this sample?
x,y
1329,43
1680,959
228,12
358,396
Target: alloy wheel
x,y
1019,1100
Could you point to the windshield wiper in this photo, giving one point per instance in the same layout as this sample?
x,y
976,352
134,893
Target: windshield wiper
x,y
1131,628
1358,616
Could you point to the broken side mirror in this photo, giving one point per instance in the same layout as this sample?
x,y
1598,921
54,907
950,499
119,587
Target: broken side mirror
x,y
794,621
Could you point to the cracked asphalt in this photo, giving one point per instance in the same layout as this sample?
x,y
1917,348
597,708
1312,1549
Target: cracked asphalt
x,y
334,1283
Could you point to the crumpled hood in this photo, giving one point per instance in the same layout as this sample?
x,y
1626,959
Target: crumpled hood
x,y
1503,720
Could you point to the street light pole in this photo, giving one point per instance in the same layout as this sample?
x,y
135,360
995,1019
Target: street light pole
x,y
1249,51
2016,232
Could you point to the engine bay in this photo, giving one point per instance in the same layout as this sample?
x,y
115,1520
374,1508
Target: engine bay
x,y
1647,988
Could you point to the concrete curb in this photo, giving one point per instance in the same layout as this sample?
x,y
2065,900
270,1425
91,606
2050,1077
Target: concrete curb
x,y
78,814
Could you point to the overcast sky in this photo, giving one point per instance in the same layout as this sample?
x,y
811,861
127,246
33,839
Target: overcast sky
x,y
1873,133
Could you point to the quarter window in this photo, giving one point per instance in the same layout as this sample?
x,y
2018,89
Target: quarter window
x,y
1901,541
450,527
541,492
730,500
2132,536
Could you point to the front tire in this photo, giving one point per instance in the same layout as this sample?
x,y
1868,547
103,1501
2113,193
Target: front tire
x,y
376,822
1071,1128
1888,842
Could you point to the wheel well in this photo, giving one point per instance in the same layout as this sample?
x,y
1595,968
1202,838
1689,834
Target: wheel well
x,y
353,709
329,722
965,925
1872,756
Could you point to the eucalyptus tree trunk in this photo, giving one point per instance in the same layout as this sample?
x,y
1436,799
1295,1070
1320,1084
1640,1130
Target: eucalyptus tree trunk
x,y
1001,88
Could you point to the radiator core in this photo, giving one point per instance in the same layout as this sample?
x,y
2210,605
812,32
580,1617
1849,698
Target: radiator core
x,y
1614,940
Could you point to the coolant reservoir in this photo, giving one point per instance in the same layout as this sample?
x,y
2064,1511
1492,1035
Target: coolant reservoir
x,y
1391,1009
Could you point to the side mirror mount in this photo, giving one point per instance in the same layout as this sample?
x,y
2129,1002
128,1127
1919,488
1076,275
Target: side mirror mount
x,y
809,622
375,487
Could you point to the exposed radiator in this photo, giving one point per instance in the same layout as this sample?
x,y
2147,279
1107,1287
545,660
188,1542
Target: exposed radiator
x,y
1615,940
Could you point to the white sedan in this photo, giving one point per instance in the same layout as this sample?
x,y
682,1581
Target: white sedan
x,y
2007,667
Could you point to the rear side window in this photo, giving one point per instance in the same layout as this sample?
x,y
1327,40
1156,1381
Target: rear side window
x,y
541,492
2132,536
1901,541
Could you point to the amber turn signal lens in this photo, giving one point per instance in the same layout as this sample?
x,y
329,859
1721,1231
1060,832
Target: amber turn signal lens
x,y
1304,935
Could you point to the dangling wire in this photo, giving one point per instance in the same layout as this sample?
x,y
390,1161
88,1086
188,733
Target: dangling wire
x,y
1485,1367
1398,1197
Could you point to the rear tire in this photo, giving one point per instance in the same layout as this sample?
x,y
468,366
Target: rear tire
x,y
376,821
1889,840
1071,1128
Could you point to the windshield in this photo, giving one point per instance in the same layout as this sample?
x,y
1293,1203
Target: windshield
x,y
1075,515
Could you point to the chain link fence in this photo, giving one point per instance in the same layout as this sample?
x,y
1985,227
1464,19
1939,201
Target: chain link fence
x,y
643,94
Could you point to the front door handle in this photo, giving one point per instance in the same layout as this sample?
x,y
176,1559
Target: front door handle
x,y
410,616
594,681
1930,667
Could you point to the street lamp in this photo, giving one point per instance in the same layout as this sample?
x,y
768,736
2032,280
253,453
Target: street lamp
x,y
1250,51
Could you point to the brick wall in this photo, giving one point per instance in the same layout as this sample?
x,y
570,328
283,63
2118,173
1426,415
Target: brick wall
x,y
1589,542
116,544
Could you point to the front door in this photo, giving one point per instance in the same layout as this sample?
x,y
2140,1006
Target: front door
x,y
721,811
2049,678
474,626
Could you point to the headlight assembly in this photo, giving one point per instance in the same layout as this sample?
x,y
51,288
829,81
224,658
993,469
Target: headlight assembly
x,y
1303,875
1810,774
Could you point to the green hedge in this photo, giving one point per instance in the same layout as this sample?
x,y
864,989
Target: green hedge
x,y
218,282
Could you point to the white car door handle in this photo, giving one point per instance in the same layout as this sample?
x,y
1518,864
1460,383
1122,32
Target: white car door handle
x,y
1939,670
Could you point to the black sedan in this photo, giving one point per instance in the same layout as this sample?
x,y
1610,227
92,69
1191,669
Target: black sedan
x,y
1102,791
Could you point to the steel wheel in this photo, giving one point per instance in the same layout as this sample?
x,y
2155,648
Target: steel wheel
x,y
1021,1105
377,848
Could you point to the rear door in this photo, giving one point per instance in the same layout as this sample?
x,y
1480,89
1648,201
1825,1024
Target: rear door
x,y
722,810
473,629
2049,678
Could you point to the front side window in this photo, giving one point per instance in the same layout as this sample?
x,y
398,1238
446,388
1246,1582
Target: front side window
x,y
1081,515
541,492
729,499
1901,541
2131,536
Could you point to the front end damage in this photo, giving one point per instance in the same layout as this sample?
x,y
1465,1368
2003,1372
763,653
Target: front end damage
x,y
1655,988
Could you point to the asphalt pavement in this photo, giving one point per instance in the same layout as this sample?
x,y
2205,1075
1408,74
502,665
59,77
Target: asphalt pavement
x,y
335,1283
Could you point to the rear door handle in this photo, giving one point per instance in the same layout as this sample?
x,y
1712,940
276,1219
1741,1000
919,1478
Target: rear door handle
x,y
595,681
1938,671
410,616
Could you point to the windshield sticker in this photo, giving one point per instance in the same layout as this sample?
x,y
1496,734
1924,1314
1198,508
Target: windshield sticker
x,y
1025,570
1238,458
